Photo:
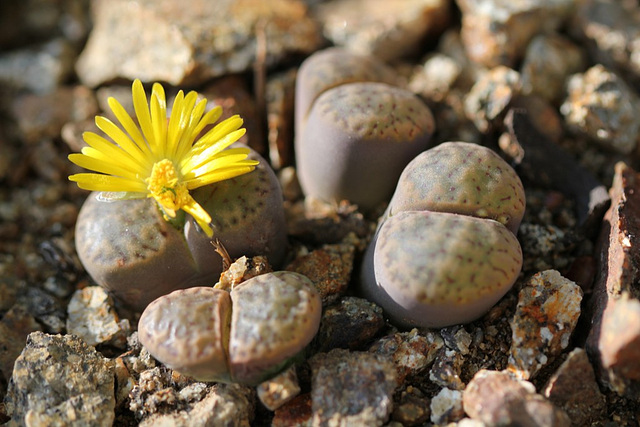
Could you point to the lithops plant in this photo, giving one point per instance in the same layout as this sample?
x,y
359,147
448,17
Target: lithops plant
x,y
357,139
445,251
331,67
128,248
245,336
463,178
435,269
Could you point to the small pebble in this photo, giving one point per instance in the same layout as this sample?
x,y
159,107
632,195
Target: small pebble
x,y
546,315
349,323
496,398
447,369
91,316
603,107
412,352
329,268
351,388
446,407
280,389
573,387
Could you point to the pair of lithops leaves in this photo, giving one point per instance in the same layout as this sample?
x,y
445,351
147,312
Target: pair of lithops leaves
x,y
244,336
446,249
355,128
128,248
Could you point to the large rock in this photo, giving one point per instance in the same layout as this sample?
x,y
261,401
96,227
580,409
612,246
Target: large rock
x,y
166,41
60,380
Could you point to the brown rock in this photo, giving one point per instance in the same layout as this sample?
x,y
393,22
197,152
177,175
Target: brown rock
x,y
548,61
280,94
547,312
412,352
381,28
15,326
496,398
351,388
189,45
43,116
615,334
295,412
350,323
488,99
573,387
603,107
497,32
611,32
329,268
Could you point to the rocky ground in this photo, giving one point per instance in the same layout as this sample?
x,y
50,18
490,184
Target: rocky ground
x,y
550,85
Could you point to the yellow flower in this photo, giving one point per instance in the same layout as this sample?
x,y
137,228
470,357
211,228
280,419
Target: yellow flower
x,y
161,158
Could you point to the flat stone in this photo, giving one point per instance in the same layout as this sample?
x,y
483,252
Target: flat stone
x,y
603,107
40,68
190,45
446,407
546,315
381,28
351,388
573,387
280,389
92,317
349,323
15,326
43,115
496,398
60,380
614,338
223,404
412,352
329,268
436,77
549,60
496,32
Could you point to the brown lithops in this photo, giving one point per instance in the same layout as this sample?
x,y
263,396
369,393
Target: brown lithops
x,y
357,140
434,269
129,249
463,178
245,336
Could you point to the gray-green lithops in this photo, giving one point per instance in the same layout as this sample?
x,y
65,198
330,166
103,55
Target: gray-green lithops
x,y
463,178
357,139
434,269
445,251
245,336
332,67
128,248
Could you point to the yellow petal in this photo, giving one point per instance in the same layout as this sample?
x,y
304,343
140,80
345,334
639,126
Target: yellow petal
x,y
201,216
210,118
218,175
128,124
142,113
110,152
121,138
197,159
97,182
218,132
221,160
159,119
177,121
96,165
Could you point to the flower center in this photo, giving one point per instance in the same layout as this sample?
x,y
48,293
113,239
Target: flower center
x,y
166,188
